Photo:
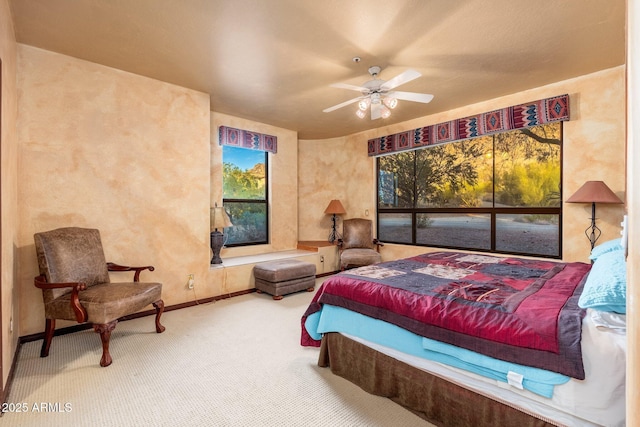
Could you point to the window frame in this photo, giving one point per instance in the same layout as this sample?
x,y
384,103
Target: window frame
x,y
492,211
226,202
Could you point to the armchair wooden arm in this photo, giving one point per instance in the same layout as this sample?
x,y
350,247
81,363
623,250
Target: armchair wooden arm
x,y
79,310
136,277
378,243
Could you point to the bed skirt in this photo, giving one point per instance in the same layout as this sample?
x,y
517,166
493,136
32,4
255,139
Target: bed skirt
x,y
430,397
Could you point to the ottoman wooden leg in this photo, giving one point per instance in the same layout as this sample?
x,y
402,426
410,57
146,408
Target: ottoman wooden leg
x,y
310,289
277,297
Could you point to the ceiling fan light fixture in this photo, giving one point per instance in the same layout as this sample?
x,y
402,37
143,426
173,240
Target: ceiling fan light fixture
x,y
363,104
390,102
379,96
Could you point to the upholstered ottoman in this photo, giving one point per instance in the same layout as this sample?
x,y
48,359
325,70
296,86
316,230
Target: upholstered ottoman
x,y
284,276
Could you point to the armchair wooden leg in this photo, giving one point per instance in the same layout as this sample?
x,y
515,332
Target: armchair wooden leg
x,y
104,329
159,305
49,329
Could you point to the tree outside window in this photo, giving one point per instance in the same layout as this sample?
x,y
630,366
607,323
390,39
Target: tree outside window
x,y
497,193
245,195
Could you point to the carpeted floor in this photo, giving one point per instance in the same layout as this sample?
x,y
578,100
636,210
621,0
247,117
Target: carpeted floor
x,y
236,362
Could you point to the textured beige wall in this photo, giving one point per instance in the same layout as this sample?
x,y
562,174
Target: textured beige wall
x,y
106,149
139,160
336,168
594,149
9,191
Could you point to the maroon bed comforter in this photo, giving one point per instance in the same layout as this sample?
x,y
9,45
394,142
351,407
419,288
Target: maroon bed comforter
x,y
514,309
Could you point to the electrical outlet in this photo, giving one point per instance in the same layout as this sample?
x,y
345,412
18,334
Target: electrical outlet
x,y
190,282
321,258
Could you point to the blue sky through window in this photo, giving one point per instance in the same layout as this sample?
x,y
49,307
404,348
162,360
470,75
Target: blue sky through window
x,y
244,158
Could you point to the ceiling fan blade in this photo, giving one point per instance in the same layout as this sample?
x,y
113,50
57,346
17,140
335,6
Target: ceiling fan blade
x,y
342,104
400,79
411,96
350,87
376,111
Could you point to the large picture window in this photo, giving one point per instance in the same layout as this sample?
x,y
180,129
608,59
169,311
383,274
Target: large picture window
x,y
245,195
497,193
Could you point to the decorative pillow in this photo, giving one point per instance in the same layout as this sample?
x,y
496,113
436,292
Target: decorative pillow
x,y
606,286
611,245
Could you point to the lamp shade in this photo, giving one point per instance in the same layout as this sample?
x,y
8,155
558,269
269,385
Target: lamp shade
x,y
335,207
594,192
219,218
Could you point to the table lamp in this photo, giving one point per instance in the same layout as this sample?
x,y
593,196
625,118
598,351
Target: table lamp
x,y
334,208
219,219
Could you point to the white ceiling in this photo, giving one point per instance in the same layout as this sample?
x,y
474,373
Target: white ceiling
x,y
272,61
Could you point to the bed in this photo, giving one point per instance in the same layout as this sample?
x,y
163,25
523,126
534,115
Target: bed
x,y
472,339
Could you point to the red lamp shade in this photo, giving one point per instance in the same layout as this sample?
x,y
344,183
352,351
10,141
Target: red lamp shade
x,y
594,192
335,207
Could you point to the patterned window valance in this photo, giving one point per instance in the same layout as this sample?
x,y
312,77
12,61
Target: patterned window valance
x,y
517,117
247,139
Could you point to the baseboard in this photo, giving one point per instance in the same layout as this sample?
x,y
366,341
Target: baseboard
x,y
4,393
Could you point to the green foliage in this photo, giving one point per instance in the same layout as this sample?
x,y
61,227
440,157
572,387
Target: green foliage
x,y
243,184
423,221
249,218
528,167
451,168
249,222
530,184
525,164
470,196
399,180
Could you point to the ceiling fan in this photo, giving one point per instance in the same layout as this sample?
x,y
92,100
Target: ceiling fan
x,y
379,94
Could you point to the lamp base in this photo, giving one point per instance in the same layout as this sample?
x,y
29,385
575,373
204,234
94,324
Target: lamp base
x,y
217,240
593,232
334,235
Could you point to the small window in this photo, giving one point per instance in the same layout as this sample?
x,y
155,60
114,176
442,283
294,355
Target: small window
x,y
245,195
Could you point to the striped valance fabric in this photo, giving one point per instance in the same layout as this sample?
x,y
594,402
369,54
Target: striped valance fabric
x,y
247,139
516,117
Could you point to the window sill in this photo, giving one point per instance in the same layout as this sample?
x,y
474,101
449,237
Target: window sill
x,y
254,259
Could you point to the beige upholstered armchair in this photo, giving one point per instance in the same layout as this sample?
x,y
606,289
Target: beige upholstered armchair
x,y
74,278
357,245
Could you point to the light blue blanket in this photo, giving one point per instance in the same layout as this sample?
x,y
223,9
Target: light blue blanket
x,y
337,319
